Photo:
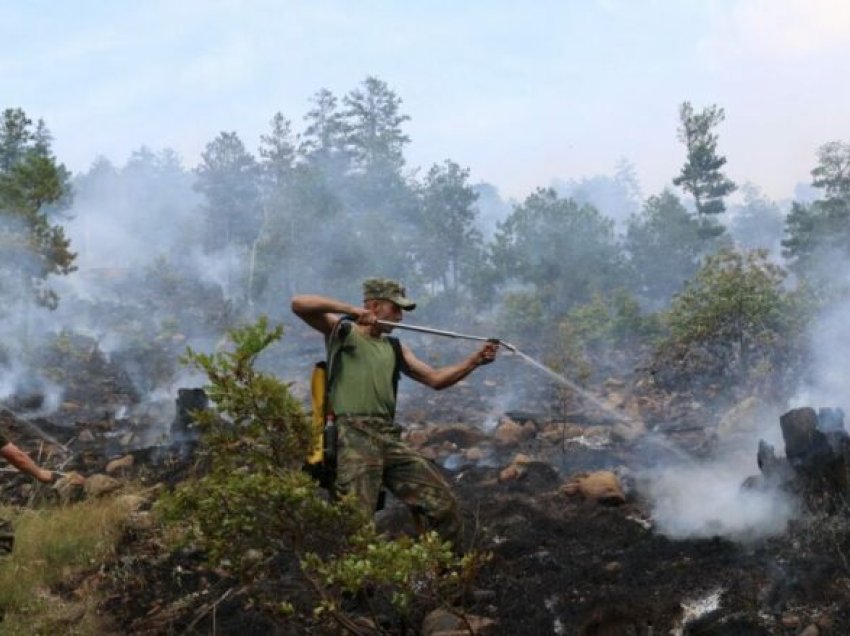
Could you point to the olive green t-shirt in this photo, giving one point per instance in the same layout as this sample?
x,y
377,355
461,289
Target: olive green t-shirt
x,y
362,382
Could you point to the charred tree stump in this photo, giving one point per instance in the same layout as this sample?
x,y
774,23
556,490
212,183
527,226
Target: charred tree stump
x,y
188,401
817,449
776,471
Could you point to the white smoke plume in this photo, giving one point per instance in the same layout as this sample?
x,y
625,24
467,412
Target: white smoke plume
x,y
703,500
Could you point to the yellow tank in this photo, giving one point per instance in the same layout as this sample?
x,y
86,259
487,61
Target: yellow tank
x,y
318,389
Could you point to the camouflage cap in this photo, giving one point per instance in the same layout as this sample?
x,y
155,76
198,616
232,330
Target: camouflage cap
x,y
386,289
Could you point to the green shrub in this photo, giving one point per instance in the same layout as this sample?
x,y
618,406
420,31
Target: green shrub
x,y
257,514
736,325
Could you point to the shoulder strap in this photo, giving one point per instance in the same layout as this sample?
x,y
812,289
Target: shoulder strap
x,y
336,338
400,363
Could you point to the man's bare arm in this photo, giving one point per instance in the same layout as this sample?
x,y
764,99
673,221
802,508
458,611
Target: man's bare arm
x,y
321,312
23,462
452,374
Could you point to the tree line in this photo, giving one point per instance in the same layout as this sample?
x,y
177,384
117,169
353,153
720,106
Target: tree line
x,y
321,207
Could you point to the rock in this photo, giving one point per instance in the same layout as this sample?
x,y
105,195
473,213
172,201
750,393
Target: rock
x,y
790,621
521,458
811,630
511,473
475,454
602,486
556,432
69,489
443,623
85,436
510,433
628,431
133,503
117,464
99,485
439,620
459,435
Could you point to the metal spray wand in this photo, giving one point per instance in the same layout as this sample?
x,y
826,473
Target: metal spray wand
x,y
447,334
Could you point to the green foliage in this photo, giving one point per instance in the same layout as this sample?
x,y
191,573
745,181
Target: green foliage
x,y
664,244
448,244
228,180
735,323
323,142
603,336
614,321
336,206
257,513
818,234
567,252
259,406
832,174
396,572
373,134
701,175
568,355
759,222
55,545
33,187
522,317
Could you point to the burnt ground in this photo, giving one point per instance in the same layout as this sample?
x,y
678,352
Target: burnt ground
x,y
560,564
568,566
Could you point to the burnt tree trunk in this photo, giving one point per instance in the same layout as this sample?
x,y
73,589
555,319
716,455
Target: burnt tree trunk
x,y
818,449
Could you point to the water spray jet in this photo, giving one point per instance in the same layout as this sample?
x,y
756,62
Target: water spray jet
x,y
586,395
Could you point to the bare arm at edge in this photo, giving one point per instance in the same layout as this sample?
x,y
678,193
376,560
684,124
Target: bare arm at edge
x,y
23,462
445,377
322,312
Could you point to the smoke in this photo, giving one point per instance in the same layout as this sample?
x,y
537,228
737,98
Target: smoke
x,y
30,391
702,500
617,197
829,338
705,498
143,290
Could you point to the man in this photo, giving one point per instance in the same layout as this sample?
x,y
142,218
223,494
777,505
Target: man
x,y
23,462
362,400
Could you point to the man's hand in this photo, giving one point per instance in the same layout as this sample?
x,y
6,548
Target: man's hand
x,y
487,353
365,317
54,477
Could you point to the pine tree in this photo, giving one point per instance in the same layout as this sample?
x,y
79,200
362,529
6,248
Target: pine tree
x,y
34,189
701,174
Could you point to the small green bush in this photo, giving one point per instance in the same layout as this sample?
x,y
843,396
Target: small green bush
x,y
736,325
257,514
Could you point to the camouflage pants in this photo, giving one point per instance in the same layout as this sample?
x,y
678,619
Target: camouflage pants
x,y
370,453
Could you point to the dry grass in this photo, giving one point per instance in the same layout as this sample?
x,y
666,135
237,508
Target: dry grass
x,y
53,546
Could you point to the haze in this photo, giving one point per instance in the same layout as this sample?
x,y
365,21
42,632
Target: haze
x,y
521,93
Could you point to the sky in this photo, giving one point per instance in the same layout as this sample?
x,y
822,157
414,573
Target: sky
x,y
521,93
